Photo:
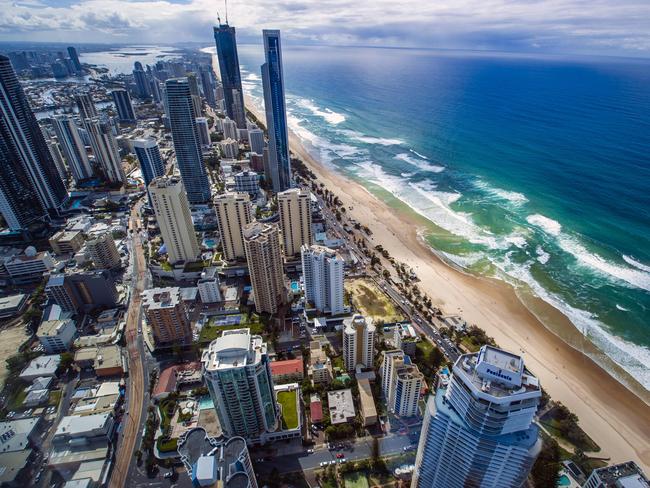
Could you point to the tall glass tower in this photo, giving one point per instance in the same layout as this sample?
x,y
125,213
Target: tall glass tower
x,y
224,36
31,185
478,428
279,163
74,57
187,143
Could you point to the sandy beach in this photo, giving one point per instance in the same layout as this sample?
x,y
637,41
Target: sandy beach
x,y
615,417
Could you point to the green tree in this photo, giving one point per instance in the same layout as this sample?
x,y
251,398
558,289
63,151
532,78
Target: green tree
x,y
545,472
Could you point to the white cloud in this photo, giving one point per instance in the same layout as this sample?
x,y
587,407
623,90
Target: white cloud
x,y
608,26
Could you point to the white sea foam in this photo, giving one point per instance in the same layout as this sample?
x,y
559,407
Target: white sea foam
x,y
513,197
418,154
542,256
329,115
633,358
251,77
550,226
357,136
635,263
463,261
422,164
630,276
622,309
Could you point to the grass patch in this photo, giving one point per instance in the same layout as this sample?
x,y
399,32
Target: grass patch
x,y
372,302
289,409
166,266
16,401
167,445
167,409
55,398
356,480
210,332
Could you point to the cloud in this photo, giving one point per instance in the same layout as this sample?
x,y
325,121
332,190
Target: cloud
x,y
595,26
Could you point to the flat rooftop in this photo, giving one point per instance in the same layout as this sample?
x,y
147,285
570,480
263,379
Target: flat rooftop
x,y
341,406
624,475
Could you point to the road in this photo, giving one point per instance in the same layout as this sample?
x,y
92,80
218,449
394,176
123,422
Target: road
x,y
132,421
361,449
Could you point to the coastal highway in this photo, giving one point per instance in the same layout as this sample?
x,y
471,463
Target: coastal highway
x,y
361,449
132,420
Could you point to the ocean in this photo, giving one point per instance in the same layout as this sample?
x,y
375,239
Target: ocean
x,y
531,169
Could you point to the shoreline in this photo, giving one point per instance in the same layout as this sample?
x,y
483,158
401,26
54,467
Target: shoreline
x,y
611,414
615,417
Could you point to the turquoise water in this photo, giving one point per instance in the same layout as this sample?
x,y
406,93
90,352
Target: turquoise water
x,y
531,169
205,403
209,243
564,481
295,286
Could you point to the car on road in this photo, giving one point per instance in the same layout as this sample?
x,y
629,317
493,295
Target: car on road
x,y
339,455
343,460
168,474
324,463
310,451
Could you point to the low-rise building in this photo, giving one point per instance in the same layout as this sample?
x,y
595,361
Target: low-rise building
x,y
320,366
367,406
315,409
405,338
341,406
109,361
67,242
89,427
623,475
13,305
28,267
45,366
208,286
287,371
56,336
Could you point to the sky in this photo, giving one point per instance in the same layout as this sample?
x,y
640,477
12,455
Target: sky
x,y
609,27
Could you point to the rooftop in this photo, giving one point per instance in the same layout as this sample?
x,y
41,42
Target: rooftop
x,y
235,348
496,373
624,475
289,366
357,320
53,327
42,366
75,425
12,301
14,434
159,298
341,406
367,401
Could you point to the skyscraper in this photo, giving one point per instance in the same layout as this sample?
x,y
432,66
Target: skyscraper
x,y
122,101
294,207
151,162
103,251
478,430
143,88
74,57
323,273
30,185
187,143
57,156
167,316
72,146
237,372
401,383
104,145
233,213
86,106
207,84
358,342
264,258
224,36
172,211
256,140
276,112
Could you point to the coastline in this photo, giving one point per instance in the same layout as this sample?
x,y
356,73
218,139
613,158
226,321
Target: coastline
x,y
615,417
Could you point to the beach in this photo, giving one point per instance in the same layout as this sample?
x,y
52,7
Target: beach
x,y
615,418
611,414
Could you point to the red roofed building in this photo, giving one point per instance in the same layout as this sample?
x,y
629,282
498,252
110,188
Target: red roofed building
x,y
288,371
174,376
316,409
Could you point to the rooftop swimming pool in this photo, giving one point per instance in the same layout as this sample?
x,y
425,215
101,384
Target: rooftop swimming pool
x,y
563,481
205,403
295,286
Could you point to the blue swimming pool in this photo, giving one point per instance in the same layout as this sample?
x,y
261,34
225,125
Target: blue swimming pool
x,y
209,243
205,403
564,481
295,286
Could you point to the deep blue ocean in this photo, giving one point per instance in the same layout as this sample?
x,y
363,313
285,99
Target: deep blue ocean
x,y
531,169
